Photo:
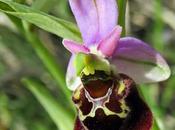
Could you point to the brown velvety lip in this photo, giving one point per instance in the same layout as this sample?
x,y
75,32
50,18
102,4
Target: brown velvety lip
x,y
94,86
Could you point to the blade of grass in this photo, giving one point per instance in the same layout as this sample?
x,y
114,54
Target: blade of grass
x,y
49,61
39,4
168,92
145,92
47,22
155,126
157,35
44,5
122,12
47,58
57,112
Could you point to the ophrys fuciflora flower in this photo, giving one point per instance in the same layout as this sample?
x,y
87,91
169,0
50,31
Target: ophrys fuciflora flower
x,y
104,70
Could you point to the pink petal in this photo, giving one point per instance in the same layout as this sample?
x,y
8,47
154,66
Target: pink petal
x,y
139,61
74,47
95,18
108,45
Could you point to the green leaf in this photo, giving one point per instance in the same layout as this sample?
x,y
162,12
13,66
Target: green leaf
x,y
40,4
50,62
122,11
168,93
155,125
148,93
57,112
158,28
47,22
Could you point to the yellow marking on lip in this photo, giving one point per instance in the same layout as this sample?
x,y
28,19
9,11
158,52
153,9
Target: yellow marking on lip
x,y
121,87
123,114
77,95
125,108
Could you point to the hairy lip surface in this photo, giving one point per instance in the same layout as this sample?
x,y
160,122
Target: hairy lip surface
x,y
121,108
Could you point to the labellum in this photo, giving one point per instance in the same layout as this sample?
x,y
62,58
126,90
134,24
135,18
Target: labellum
x,y
103,70
107,102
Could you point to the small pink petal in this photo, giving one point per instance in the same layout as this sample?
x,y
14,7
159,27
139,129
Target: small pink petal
x,y
108,45
74,47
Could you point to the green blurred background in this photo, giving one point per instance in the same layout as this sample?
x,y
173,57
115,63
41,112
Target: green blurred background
x,y
22,108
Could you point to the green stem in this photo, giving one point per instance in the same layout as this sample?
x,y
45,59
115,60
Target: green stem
x,y
122,13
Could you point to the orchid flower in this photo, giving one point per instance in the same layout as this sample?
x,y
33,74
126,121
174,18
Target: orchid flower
x,y
103,70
